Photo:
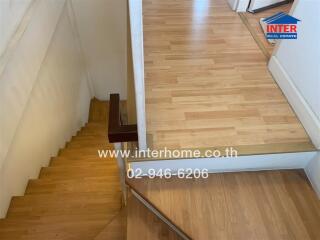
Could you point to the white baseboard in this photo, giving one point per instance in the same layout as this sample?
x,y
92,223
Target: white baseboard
x,y
242,5
313,172
307,117
298,160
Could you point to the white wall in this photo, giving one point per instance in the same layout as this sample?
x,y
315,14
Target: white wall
x,y
301,58
296,67
313,172
102,27
44,96
11,13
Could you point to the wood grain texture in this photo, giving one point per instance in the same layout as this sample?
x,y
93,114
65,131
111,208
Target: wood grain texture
x,y
143,224
247,205
252,22
116,229
207,81
76,196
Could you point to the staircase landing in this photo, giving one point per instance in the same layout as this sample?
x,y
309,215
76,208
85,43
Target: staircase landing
x,y
248,205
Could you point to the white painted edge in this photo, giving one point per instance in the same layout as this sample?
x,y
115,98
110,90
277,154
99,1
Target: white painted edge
x,y
307,117
297,160
136,23
315,185
242,5
312,171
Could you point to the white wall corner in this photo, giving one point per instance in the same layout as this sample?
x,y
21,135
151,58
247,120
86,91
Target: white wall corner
x,y
72,18
304,112
313,172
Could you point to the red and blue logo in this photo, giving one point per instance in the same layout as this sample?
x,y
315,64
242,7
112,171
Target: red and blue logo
x,y
281,26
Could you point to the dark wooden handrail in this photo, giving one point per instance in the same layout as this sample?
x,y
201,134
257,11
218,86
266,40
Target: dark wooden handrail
x,y
117,132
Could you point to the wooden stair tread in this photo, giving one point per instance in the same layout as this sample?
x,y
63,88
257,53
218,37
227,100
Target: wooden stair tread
x,y
44,229
77,162
44,200
79,169
246,205
85,150
91,184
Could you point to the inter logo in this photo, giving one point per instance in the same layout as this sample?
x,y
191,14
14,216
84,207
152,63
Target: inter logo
x,y
281,26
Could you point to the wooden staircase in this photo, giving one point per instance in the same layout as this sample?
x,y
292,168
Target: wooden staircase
x,y
76,196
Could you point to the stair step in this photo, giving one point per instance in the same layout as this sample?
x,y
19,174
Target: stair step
x,y
89,138
66,204
100,124
95,127
88,132
88,152
76,172
87,144
93,184
55,228
85,161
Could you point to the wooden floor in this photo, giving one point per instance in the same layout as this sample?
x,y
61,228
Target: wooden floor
x,y
249,205
136,222
207,82
116,229
253,21
75,197
144,225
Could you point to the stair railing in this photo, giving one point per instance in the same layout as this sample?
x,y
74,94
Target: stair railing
x,y
118,134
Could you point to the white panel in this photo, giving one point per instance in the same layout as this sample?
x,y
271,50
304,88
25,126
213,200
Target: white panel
x,y
300,58
313,172
20,73
296,67
47,100
11,13
136,22
102,26
301,107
